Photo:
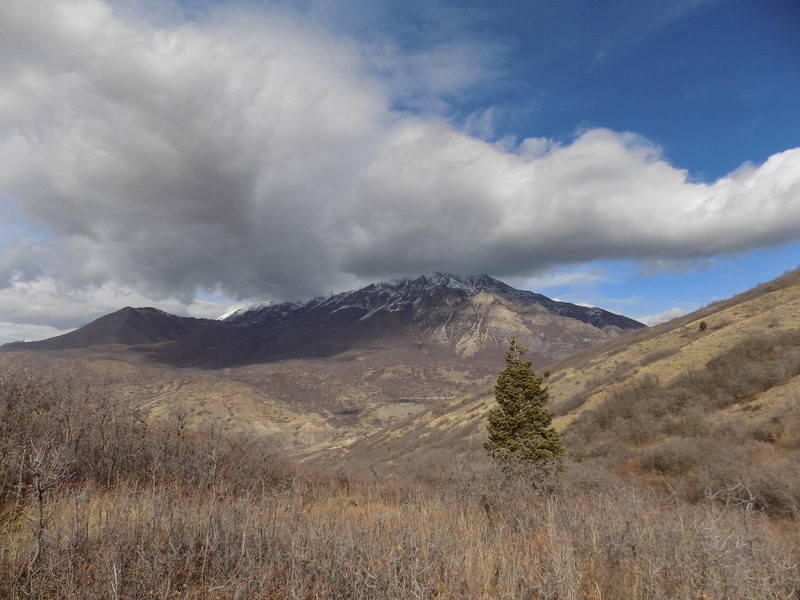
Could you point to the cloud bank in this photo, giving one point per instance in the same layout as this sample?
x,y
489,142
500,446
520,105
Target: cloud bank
x,y
262,157
667,315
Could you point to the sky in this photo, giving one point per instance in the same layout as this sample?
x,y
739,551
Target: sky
x,y
638,155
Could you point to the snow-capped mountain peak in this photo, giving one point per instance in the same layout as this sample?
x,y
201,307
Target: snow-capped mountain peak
x,y
434,313
411,295
391,296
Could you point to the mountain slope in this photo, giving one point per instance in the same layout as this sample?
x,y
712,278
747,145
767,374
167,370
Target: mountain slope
x,y
463,315
440,316
695,409
330,371
127,326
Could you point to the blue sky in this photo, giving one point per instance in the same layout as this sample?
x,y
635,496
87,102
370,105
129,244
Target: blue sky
x,y
713,83
666,291
715,87
636,155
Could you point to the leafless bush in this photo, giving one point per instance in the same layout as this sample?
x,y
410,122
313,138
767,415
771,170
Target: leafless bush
x,y
318,538
569,404
642,410
725,468
189,515
624,418
52,432
671,430
675,456
751,367
769,431
657,355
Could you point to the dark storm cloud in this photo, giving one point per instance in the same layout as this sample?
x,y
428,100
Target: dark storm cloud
x,y
257,156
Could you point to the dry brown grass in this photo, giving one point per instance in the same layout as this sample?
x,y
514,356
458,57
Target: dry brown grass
x,y
479,536
674,430
97,503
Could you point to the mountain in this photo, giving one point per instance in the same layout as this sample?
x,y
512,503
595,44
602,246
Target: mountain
x,y
438,314
417,295
149,331
702,406
127,326
326,372
464,315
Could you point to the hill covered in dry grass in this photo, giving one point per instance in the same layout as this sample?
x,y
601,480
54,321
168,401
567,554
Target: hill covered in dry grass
x,y
705,405
98,502
324,373
681,482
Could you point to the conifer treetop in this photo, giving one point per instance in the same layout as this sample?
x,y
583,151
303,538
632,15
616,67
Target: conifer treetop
x,y
520,427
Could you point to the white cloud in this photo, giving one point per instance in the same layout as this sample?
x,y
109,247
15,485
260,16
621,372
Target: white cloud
x,y
678,267
25,332
260,156
574,277
667,315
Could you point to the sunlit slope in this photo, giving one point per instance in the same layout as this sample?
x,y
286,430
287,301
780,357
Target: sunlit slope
x,y
671,350
306,405
735,376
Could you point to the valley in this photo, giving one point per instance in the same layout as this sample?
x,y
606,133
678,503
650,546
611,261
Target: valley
x,y
328,372
363,472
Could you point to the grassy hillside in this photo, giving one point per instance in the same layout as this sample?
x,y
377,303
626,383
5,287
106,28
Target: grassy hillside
x,y
311,405
705,405
95,502
682,483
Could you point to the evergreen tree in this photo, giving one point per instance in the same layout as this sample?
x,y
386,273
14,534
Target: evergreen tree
x,y
520,428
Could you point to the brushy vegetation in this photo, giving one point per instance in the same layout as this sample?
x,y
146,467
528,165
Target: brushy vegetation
x,y
97,502
674,432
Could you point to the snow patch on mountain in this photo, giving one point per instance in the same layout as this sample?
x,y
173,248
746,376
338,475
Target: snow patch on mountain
x,y
235,310
390,296
397,295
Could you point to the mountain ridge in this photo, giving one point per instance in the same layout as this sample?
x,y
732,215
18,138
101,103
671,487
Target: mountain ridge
x,y
127,326
403,291
331,370
436,313
665,404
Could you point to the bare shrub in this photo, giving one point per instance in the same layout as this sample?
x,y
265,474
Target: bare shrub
x,y
671,430
99,439
623,417
772,488
569,404
659,354
770,431
777,487
754,366
723,469
318,538
675,456
209,514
